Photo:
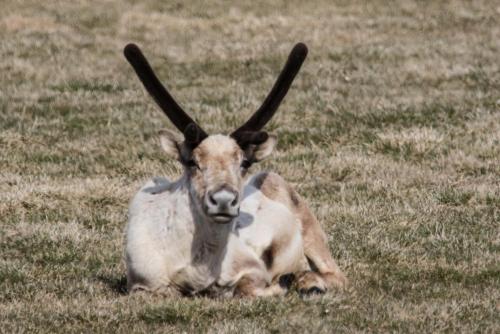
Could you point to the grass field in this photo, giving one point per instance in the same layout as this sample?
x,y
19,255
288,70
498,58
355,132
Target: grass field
x,y
391,131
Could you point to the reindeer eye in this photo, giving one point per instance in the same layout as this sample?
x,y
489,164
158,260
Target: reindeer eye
x,y
245,164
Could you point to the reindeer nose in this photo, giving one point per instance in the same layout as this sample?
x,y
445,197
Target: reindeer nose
x,y
222,205
223,199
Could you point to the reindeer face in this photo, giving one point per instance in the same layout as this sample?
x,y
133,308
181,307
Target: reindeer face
x,y
216,175
216,170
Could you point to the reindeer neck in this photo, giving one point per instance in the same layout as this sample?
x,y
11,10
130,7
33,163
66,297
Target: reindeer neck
x,y
212,234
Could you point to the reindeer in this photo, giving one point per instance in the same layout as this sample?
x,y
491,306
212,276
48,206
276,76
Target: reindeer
x,y
218,230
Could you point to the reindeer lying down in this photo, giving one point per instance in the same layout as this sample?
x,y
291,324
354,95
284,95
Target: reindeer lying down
x,y
218,230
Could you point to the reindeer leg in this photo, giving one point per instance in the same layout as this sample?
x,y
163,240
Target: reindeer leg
x,y
316,247
324,272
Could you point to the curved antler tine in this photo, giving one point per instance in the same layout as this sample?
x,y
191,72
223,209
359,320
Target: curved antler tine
x,y
159,93
278,92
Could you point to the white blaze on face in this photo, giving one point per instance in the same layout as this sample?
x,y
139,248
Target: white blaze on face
x,y
217,180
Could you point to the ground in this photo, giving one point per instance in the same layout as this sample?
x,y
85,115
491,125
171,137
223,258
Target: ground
x,y
391,132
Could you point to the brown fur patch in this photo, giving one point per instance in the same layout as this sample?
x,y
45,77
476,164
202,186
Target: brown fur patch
x,y
248,285
276,188
246,263
271,185
245,287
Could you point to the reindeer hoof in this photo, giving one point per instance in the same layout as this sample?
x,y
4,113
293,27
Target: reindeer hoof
x,y
311,291
309,283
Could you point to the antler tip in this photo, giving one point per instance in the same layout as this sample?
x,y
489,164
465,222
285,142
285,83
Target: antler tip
x,y
300,49
130,49
301,45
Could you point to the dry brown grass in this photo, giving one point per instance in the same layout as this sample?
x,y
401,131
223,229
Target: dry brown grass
x,y
392,133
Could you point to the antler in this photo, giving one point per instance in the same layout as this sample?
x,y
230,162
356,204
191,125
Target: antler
x,y
248,133
193,133
273,100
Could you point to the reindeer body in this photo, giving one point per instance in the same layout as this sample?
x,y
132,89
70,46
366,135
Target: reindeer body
x,y
171,248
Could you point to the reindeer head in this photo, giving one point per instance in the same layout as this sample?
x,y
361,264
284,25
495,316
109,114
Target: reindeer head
x,y
217,164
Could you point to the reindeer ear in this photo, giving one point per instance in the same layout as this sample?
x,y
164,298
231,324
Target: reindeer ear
x,y
171,143
264,149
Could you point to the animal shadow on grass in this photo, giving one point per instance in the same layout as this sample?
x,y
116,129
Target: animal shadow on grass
x,y
117,284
